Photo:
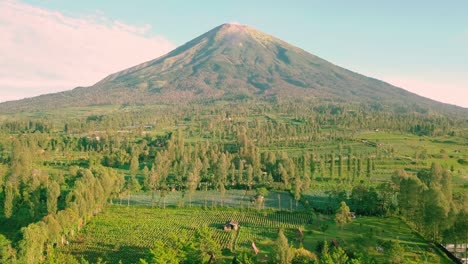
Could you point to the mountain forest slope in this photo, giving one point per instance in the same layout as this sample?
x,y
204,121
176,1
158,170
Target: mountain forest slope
x,y
232,62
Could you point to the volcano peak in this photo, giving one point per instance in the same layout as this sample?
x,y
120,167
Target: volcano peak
x,y
231,61
228,28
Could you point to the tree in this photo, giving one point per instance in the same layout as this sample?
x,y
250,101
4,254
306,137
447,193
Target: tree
x,y
307,164
348,166
206,245
340,167
240,175
457,232
10,192
297,188
387,196
243,258
436,209
176,248
325,257
233,174
222,169
7,253
55,256
332,166
53,192
394,252
162,165
33,242
193,179
410,198
132,185
339,256
303,256
284,175
134,165
343,215
322,167
146,177
153,183
250,176
282,253
160,254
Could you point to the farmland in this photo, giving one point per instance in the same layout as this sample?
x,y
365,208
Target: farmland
x,y
116,182
125,233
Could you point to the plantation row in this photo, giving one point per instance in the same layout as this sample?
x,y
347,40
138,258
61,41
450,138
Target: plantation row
x,y
125,232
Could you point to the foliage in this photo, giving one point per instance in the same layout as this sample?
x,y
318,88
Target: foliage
x,y
7,253
282,253
343,215
394,252
243,258
303,256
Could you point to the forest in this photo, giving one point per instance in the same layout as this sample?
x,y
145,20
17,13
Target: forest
x,y
308,183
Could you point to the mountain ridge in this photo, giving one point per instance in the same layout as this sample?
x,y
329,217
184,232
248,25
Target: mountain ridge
x,y
231,60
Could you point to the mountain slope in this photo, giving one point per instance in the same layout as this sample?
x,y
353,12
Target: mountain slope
x,y
230,61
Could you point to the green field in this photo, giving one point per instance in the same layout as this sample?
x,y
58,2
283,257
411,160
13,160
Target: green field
x,y
156,170
126,233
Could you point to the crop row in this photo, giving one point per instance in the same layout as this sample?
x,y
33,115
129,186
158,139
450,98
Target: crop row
x,y
132,230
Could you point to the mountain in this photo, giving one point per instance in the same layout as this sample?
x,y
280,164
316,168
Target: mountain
x,y
230,61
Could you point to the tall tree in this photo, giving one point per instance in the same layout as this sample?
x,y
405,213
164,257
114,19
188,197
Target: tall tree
x,y
410,198
282,253
194,178
153,183
53,192
332,166
134,165
297,188
343,215
307,171
325,257
435,211
208,248
10,193
340,167
146,175
250,179
222,170
240,175
348,166
283,173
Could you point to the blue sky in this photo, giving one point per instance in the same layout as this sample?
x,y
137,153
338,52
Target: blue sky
x,y
421,46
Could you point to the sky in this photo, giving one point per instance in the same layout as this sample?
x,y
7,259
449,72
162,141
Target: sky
x,y
51,45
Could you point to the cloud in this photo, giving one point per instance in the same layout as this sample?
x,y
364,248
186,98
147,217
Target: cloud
x,y
43,51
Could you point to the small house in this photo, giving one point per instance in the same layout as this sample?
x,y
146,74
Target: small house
x,y
231,225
